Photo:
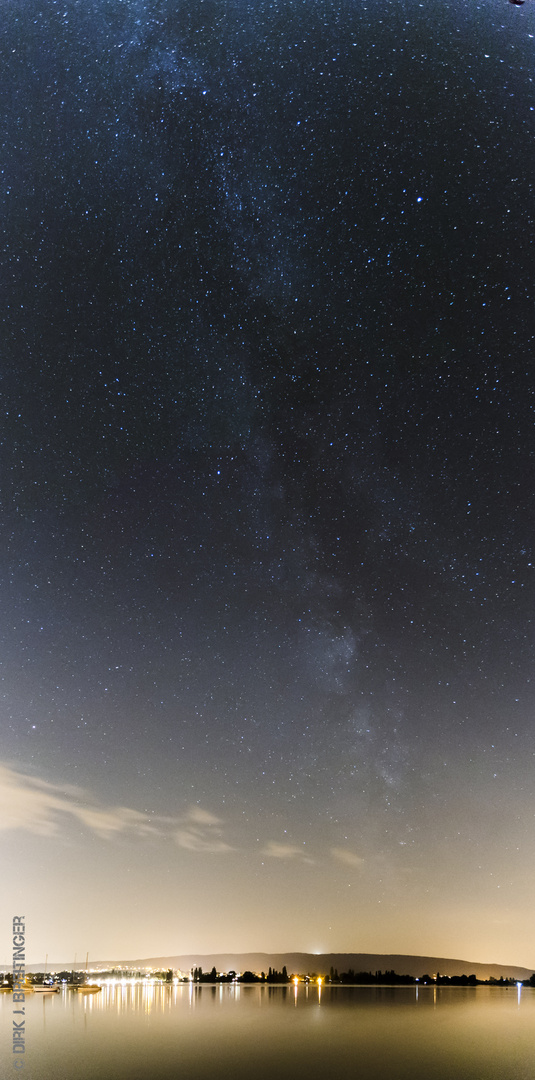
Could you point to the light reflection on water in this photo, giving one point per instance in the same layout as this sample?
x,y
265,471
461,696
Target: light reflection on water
x,y
195,1032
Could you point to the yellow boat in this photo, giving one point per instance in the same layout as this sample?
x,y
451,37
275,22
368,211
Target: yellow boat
x,y
87,988
21,988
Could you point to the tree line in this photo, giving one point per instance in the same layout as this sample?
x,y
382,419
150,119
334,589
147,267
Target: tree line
x,y
346,978
273,976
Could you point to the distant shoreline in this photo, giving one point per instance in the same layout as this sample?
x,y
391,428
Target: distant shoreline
x,y
299,962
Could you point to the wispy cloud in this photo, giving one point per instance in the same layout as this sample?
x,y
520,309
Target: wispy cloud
x,y
201,831
39,807
347,857
276,850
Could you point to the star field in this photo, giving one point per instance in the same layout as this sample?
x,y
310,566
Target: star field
x,y
267,470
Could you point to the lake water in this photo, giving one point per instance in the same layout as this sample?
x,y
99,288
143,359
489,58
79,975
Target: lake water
x,y
256,1032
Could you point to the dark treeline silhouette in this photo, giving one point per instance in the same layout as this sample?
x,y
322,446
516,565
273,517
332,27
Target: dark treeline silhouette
x,y
273,976
211,976
391,978
346,978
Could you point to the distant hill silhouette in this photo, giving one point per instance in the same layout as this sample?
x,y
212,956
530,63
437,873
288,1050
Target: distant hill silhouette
x,y
311,962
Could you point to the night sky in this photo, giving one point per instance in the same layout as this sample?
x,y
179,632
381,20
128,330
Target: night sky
x,y
267,476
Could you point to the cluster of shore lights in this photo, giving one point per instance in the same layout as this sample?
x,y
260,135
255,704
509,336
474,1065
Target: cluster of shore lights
x,y
144,980
151,980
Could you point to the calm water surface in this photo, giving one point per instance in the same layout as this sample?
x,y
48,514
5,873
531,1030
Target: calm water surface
x,y
133,1032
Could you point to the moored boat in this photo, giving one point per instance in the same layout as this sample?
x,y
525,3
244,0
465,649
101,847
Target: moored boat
x,y
20,987
46,987
87,988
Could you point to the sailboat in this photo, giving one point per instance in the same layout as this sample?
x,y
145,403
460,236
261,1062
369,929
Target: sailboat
x,y
87,988
44,987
